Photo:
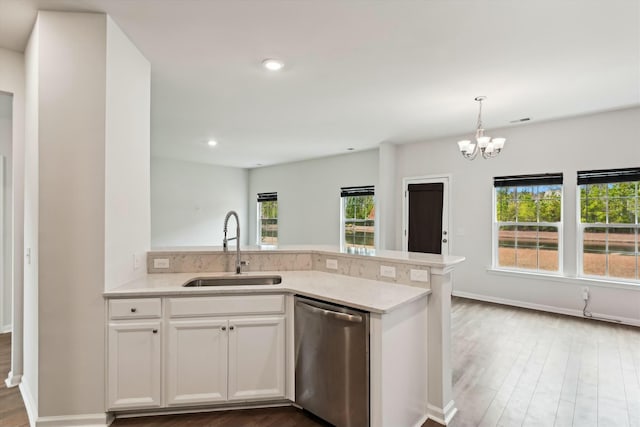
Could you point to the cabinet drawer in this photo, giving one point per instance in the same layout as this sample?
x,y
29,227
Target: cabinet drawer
x,y
134,308
226,305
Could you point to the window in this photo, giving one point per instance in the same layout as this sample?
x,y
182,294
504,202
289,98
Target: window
x,y
608,226
528,222
267,218
358,218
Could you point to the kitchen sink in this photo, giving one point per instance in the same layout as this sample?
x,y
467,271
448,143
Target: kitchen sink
x,y
235,281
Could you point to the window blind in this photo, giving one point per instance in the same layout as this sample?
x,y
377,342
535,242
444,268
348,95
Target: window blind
x,y
366,190
608,176
267,197
525,180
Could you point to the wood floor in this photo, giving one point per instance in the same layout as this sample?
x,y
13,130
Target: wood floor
x,y
512,367
518,367
12,412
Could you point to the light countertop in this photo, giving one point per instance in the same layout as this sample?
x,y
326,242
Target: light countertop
x,y
369,295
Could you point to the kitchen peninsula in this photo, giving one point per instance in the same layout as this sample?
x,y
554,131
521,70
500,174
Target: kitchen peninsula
x,y
251,328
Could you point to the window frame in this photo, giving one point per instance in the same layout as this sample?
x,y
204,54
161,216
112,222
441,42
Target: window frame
x,y
581,226
259,220
495,238
343,243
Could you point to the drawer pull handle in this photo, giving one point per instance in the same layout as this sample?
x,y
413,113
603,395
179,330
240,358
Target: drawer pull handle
x,y
224,328
133,310
231,328
155,331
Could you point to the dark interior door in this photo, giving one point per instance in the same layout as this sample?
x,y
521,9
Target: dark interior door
x,y
425,217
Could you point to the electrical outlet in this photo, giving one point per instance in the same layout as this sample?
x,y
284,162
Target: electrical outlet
x,y
332,264
585,293
388,271
136,261
419,275
161,263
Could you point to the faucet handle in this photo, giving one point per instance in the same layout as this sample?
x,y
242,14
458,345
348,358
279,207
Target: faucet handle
x,y
239,266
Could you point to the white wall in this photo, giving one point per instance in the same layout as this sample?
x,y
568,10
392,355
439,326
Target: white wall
x,y
12,80
309,195
385,196
190,200
87,134
71,204
601,141
6,119
127,182
30,382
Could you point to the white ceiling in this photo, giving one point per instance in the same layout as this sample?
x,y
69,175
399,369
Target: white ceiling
x,y
359,73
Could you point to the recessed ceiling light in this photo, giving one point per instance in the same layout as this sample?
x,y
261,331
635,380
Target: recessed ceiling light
x,y
212,143
272,64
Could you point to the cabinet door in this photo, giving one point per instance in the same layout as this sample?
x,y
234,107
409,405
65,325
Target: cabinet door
x,y
134,365
256,358
197,361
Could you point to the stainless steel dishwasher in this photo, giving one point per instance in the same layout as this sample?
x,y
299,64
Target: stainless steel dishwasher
x,y
332,362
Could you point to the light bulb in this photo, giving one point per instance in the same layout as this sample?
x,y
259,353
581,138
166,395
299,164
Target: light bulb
x,y
272,64
470,148
483,141
462,145
498,143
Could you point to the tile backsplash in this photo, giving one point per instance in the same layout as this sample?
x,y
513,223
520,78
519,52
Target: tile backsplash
x,y
349,265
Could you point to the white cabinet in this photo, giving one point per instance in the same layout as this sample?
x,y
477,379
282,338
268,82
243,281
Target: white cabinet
x,y
134,364
225,348
256,358
197,361
214,360
195,350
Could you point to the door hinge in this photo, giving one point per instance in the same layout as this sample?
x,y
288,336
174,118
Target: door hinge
x,y
405,232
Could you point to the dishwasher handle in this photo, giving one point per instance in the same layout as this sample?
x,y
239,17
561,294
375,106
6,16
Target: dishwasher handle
x,y
330,313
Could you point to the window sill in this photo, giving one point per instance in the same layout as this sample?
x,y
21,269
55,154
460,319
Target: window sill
x,y
573,280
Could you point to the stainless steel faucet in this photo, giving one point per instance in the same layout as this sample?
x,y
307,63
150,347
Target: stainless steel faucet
x,y
225,241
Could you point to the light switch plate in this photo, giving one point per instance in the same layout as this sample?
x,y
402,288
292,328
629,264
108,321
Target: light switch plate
x,y
161,263
136,261
332,264
419,275
388,271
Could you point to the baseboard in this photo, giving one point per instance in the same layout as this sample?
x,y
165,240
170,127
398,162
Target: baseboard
x,y
422,421
542,307
200,409
444,415
29,404
12,380
84,420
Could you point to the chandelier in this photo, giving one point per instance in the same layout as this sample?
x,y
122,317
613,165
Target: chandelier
x,y
487,146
